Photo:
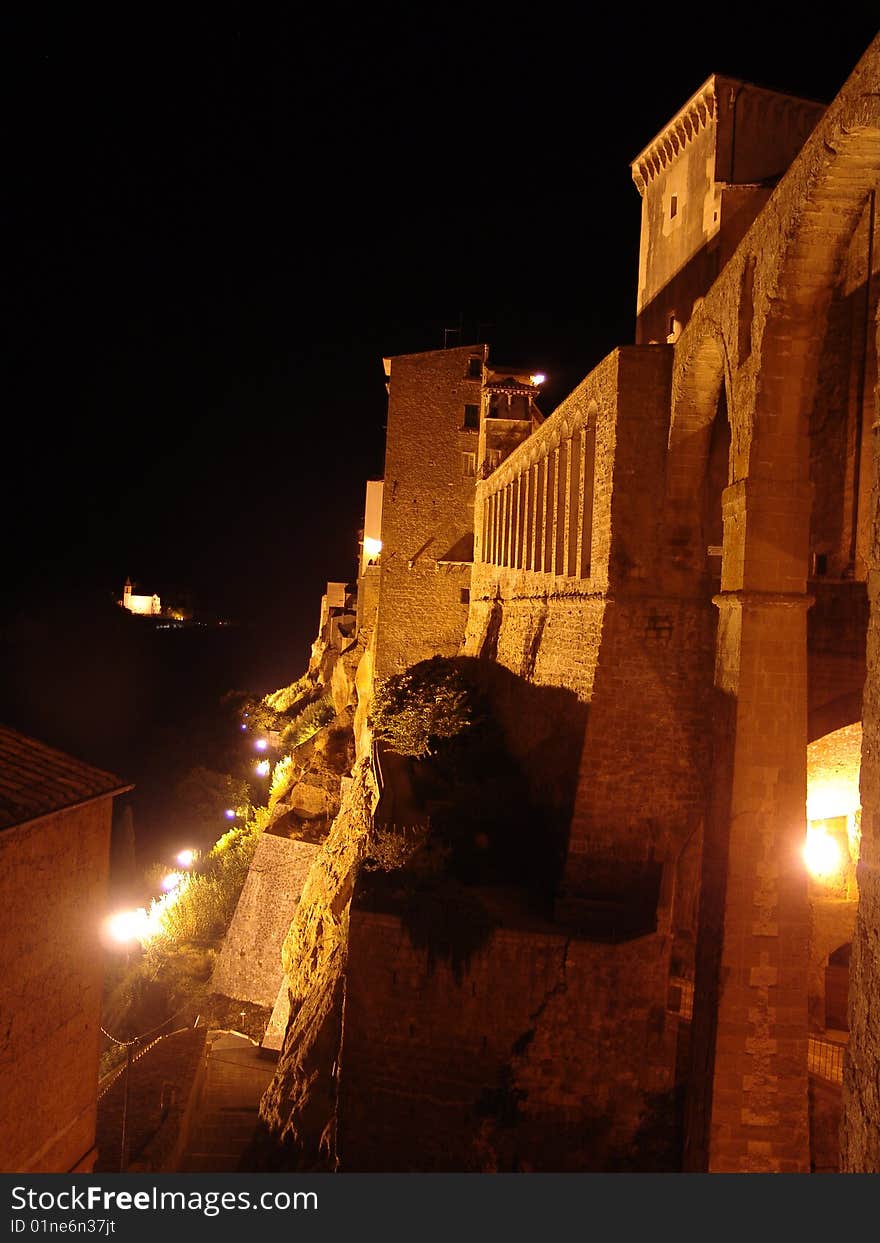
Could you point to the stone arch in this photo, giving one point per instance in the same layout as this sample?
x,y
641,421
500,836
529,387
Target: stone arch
x,y
837,987
810,230
827,717
699,380
757,820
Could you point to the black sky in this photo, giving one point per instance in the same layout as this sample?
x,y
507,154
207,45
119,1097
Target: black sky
x,y
215,231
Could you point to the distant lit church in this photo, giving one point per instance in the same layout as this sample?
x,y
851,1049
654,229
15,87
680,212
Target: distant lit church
x,y
145,606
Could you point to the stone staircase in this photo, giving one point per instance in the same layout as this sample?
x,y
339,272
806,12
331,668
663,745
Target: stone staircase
x,y
237,1075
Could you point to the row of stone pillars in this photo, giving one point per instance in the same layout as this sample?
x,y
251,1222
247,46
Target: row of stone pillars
x,y
542,520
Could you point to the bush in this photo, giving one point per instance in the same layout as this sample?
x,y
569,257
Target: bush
x,y
282,780
390,848
430,702
206,904
288,697
307,723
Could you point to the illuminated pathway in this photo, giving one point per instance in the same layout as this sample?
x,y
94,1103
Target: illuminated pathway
x,y
237,1076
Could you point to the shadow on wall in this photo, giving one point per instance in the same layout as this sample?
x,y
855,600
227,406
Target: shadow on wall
x,y
543,726
499,794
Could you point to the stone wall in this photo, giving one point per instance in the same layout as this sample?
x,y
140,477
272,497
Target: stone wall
x,y
53,879
545,1052
249,966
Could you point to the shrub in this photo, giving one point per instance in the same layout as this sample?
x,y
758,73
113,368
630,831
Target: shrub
x,y
207,903
430,702
390,848
307,723
282,780
288,697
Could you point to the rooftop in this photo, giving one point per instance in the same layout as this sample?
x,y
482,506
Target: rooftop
x,y
36,780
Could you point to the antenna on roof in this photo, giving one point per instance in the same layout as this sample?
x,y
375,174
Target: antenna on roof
x,y
456,332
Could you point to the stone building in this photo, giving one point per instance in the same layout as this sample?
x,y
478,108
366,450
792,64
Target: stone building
x,y
427,504
670,573
55,815
143,606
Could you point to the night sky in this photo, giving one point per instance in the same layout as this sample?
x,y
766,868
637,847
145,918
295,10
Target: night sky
x,y
214,232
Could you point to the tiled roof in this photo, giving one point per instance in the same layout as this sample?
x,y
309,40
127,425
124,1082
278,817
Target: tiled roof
x,y
36,779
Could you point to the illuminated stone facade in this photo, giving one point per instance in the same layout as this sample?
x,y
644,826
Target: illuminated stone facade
x,y
144,606
680,551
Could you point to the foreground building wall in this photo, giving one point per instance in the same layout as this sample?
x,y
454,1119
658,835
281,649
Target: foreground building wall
x,y
53,877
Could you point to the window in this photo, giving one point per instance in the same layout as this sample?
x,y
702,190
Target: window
x,y
464,595
472,417
468,465
673,207
475,368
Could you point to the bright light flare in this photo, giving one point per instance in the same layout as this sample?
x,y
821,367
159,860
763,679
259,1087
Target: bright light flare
x,y
243,726
821,854
171,880
128,926
263,768
261,744
229,813
538,377
372,547
186,858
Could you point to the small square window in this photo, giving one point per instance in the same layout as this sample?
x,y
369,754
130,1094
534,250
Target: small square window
x,y
475,368
472,417
464,595
469,465
673,206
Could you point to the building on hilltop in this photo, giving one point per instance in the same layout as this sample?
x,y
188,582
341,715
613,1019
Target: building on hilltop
x,y
55,817
667,577
143,606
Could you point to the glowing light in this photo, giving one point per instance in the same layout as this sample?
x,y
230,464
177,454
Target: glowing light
x,y
144,925
186,858
261,744
128,926
243,726
229,813
538,377
828,797
372,547
821,854
263,768
171,881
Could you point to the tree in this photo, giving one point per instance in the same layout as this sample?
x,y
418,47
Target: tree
x,y
430,702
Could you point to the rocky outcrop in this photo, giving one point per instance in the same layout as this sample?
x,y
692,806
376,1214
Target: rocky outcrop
x,y
299,1107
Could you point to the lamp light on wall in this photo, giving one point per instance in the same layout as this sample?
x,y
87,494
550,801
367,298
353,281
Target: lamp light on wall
x,y
821,854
